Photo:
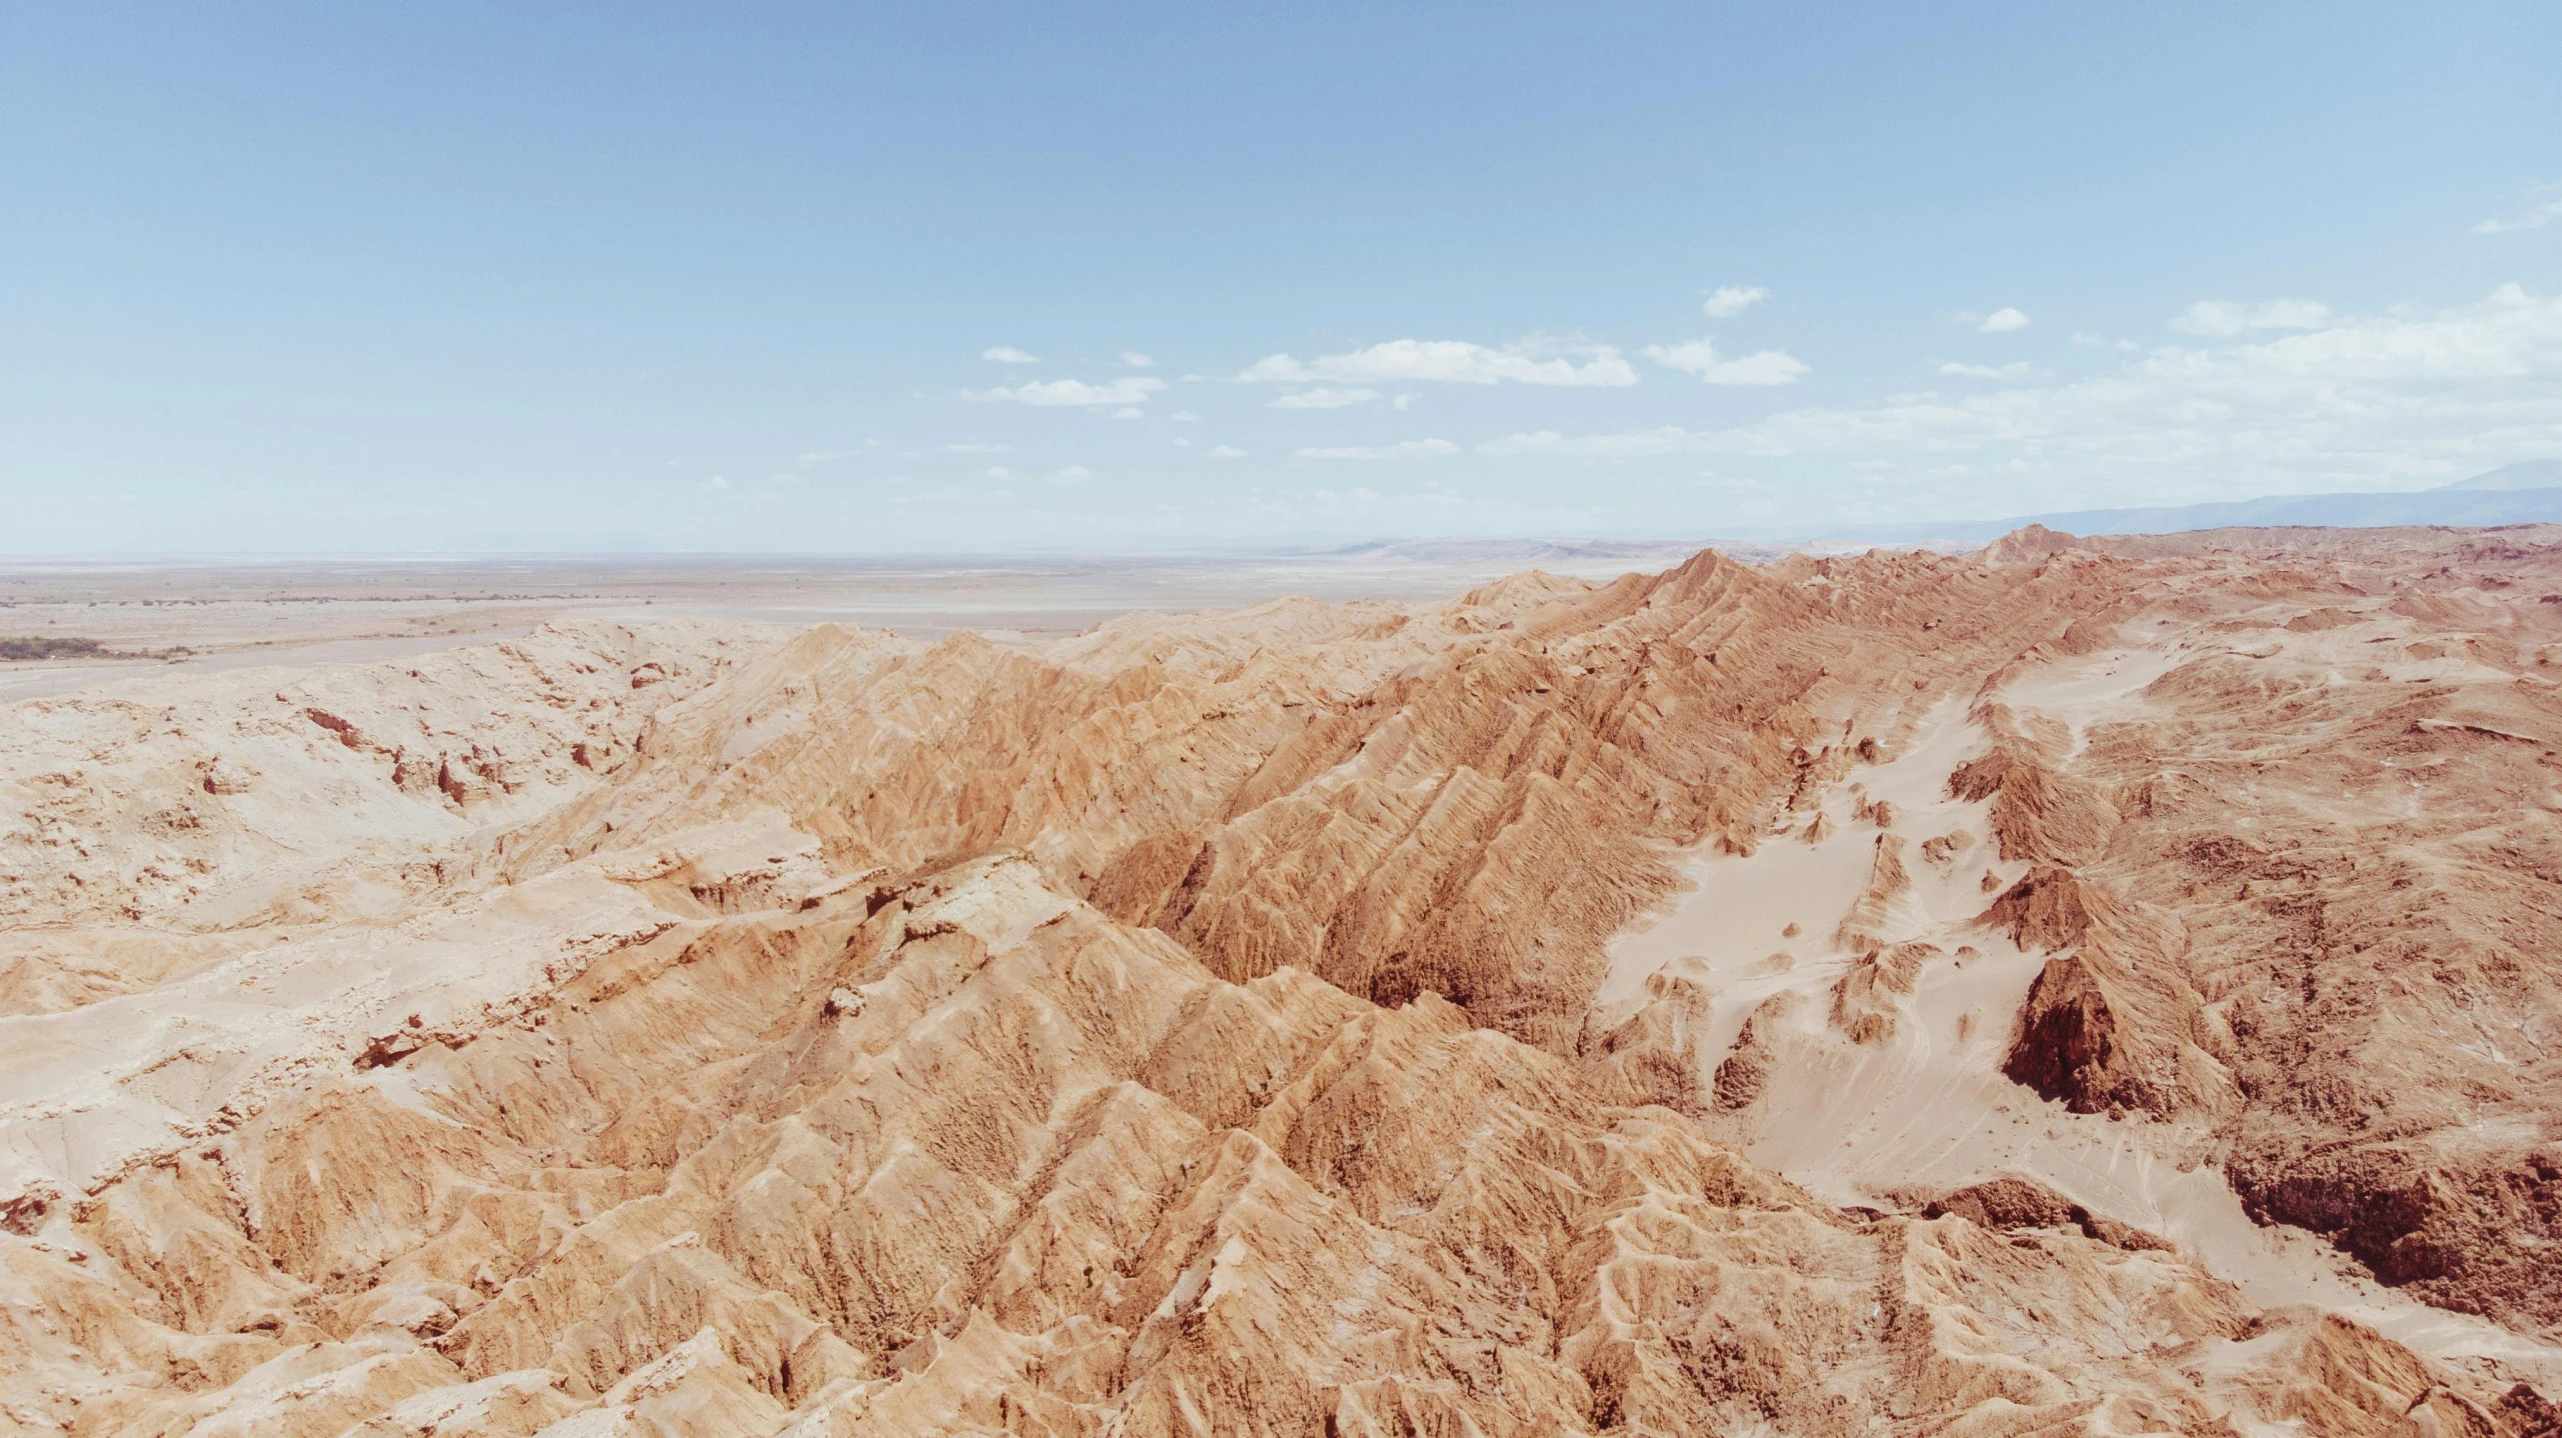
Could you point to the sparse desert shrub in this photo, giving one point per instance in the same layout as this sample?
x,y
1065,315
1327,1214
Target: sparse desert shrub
x,y
51,648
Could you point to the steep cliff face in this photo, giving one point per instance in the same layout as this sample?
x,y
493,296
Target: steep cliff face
x,y
1221,1024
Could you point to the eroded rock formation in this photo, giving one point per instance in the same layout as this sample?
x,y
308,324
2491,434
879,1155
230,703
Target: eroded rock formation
x,y
1212,1024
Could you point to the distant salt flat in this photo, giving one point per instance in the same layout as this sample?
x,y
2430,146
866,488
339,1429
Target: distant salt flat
x,y
246,613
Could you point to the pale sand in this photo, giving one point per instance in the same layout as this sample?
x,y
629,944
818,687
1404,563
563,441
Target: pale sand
x,y
1929,1107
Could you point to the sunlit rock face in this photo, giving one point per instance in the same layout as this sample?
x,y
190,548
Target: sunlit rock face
x,y
2099,987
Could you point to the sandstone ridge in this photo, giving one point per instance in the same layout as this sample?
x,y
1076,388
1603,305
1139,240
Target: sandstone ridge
x,y
1367,1018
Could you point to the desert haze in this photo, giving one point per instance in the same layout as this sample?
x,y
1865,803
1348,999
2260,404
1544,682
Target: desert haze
x,y
2101,986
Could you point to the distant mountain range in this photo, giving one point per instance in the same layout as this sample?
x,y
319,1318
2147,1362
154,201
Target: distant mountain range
x,y
2527,493
2534,474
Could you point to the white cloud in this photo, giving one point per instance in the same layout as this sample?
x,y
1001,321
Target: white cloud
x,y
1734,484
2374,402
2000,321
976,447
1227,451
1728,301
1322,398
1689,356
941,494
2219,318
1136,360
1127,390
1008,354
1447,362
1634,444
716,483
2016,369
1761,367
2102,342
999,472
1073,474
1402,449
1129,412
2543,208
1403,401
1699,357
1184,416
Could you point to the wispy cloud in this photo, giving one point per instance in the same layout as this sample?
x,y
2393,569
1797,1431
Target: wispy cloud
x,y
939,495
1727,301
1008,354
1711,479
976,447
2361,401
2543,207
2000,321
1629,444
1227,451
1136,360
1073,474
1448,362
1127,390
2219,318
2017,369
1699,357
1322,398
1402,449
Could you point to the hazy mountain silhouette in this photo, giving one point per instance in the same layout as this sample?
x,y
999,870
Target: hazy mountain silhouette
x,y
2524,493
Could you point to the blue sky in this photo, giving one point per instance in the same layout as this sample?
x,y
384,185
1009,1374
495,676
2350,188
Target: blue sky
x,y
658,277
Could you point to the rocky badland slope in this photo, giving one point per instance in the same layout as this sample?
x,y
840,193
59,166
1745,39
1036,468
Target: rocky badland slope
x,y
2078,988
